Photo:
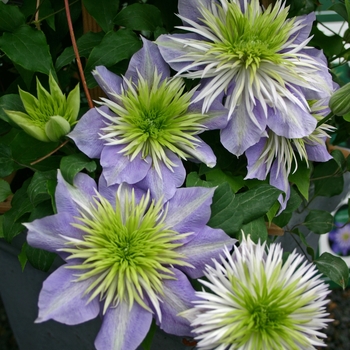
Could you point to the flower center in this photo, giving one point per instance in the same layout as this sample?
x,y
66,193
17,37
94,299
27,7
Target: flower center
x,y
153,117
247,39
266,316
126,251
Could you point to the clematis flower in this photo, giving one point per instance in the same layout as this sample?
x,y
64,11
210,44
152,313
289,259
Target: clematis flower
x,y
147,125
126,257
51,115
340,239
255,301
256,59
275,155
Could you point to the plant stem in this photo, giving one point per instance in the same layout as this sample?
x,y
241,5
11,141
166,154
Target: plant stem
x,y
49,154
76,52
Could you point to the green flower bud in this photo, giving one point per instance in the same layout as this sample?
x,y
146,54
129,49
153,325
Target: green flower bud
x,y
339,102
56,127
50,115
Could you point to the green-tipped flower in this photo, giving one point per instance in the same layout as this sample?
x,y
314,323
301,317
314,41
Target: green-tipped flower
x,y
339,102
257,301
50,115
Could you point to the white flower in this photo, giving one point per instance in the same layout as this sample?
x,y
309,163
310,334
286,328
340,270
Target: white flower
x,y
258,302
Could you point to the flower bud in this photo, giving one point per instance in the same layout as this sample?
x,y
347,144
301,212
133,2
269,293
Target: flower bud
x,y
50,115
339,102
56,128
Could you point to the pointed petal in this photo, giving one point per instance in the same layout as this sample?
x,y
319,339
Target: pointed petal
x,y
172,50
217,115
62,300
69,197
86,132
123,328
109,82
189,9
295,123
317,152
304,33
146,61
109,192
165,186
45,233
241,132
118,168
202,152
204,246
253,154
189,209
177,297
280,181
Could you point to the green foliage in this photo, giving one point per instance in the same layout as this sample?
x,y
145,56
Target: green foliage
x,y
334,268
319,221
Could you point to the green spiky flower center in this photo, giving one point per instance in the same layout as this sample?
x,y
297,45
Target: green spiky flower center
x,y
265,306
153,117
126,251
250,38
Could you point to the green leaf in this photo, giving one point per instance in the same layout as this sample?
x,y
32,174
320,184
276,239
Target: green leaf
x,y
26,149
7,166
340,9
222,214
21,205
5,190
339,158
217,177
319,221
309,249
347,6
27,47
256,229
10,102
193,180
1,226
115,47
85,45
22,256
103,11
257,201
140,17
39,258
301,178
38,189
10,18
334,268
230,211
72,164
328,179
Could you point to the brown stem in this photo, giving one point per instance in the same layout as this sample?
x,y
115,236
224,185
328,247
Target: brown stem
x,y
76,52
49,154
37,23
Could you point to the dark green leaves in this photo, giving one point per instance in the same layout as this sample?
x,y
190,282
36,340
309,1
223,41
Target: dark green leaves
x,y
115,47
10,18
27,47
103,11
230,211
71,165
334,268
319,221
5,190
140,17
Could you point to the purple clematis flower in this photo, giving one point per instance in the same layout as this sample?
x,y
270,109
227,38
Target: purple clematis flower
x,y
147,125
127,257
256,59
340,238
275,155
